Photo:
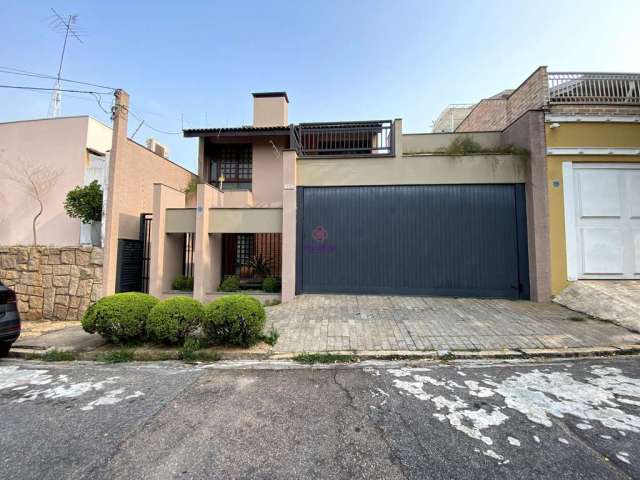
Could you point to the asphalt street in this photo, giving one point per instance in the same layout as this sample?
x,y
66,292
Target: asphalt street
x,y
577,419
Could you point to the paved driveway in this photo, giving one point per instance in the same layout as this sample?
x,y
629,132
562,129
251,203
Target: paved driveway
x,y
315,323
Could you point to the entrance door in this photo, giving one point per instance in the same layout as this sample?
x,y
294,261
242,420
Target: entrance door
x,y
603,220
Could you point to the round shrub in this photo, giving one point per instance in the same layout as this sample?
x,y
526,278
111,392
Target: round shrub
x,y
120,318
271,285
234,320
230,284
88,321
174,319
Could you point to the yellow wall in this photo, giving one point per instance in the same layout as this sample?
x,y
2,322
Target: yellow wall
x,y
579,135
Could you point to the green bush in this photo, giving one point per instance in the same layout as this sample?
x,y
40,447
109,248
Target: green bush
x,y
174,319
88,321
120,318
230,284
234,320
182,283
271,285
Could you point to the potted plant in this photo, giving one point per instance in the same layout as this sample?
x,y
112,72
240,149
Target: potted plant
x,y
260,266
85,203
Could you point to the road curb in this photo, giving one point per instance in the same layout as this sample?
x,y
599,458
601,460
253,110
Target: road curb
x,y
436,355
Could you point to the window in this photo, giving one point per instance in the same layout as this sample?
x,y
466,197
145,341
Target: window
x,y
234,162
244,249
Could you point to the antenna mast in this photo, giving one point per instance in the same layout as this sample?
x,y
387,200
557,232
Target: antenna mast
x,y
61,25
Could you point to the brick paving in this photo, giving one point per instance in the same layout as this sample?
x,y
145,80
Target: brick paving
x,y
316,323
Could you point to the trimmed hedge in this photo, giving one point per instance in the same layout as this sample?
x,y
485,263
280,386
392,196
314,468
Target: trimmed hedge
x,y
174,319
271,285
234,320
119,318
182,283
230,284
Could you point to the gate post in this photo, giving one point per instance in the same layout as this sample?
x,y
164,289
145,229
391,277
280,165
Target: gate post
x,y
288,225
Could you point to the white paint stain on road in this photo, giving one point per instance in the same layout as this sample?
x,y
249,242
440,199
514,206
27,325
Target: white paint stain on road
x,y
39,384
539,395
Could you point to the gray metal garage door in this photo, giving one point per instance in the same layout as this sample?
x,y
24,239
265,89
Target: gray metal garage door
x,y
455,240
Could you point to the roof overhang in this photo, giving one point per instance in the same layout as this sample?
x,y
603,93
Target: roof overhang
x,y
237,132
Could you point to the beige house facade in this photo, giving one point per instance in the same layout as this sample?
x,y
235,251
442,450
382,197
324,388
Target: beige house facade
x,y
252,180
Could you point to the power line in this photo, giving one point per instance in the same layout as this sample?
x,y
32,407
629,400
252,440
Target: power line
x,y
26,73
144,123
22,87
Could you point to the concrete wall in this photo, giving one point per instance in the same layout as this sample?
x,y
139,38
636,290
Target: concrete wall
x,y
412,170
579,135
415,143
62,144
528,132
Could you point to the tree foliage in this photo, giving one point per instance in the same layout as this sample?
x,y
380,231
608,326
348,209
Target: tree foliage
x,y
85,203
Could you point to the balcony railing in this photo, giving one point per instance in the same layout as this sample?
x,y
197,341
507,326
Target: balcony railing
x,y
594,88
345,139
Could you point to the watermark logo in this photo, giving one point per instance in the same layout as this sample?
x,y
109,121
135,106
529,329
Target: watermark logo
x,y
319,234
319,245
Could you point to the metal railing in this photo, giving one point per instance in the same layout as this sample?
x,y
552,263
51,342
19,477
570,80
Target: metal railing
x,y
344,139
594,88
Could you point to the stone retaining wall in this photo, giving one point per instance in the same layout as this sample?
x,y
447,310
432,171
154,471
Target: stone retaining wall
x,y
52,283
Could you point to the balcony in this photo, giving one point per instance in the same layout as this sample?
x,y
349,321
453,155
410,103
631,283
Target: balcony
x,y
343,139
594,88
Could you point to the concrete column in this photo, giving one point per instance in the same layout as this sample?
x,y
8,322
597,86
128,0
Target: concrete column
x,y
289,200
206,261
117,157
166,250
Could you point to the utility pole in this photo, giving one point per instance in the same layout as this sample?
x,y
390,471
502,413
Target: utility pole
x,y
61,25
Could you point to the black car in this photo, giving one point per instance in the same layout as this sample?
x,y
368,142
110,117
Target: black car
x,y
9,319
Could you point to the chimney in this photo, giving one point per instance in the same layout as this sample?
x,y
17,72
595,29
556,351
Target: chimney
x,y
270,109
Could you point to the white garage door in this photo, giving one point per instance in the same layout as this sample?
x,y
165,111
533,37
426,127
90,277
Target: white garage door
x,y
602,216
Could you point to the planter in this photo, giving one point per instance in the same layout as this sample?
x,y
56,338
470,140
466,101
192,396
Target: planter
x,y
96,234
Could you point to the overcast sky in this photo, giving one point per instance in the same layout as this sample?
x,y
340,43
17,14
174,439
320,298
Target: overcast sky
x,y
198,61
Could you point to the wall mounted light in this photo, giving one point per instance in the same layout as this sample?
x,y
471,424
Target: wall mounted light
x,y
220,181
554,125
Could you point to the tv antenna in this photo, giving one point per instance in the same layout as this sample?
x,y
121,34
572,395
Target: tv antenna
x,y
66,26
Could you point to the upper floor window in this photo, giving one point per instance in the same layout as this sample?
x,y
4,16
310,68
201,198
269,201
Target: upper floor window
x,y
234,162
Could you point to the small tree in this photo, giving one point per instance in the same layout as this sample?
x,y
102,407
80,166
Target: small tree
x,y
85,203
35,179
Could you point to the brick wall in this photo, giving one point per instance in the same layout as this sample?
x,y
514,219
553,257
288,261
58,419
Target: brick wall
x,y
52,283
488,115
595,109
493,114
530,95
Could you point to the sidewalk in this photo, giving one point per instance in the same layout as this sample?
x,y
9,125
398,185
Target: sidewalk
x,y
400,327
317,323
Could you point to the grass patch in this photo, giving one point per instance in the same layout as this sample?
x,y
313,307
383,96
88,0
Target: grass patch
x,y
117,356
311,358
191,352
56,356
577,318
446,357
272,303
272,338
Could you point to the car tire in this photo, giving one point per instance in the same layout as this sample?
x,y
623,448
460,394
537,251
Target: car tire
x,y
4,349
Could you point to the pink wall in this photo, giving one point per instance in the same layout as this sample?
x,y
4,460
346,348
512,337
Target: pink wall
x,y
267,173
140,171
61,143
